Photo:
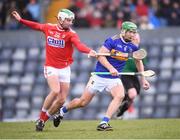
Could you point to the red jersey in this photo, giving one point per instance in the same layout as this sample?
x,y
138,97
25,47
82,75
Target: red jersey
x,y
59,43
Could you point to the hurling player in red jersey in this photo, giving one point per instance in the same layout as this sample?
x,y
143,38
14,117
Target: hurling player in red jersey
x,y
60,40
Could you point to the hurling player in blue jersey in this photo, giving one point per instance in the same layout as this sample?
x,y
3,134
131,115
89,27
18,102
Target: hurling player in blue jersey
x,y
127,42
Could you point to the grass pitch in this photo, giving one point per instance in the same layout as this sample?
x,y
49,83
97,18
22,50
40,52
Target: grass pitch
x,y
123,129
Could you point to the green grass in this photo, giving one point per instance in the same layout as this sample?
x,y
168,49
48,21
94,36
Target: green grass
x,y
123,129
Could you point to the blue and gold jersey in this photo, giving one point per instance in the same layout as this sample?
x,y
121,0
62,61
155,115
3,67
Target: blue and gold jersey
x,y
116,43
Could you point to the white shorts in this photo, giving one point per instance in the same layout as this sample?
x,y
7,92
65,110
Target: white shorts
x,y
98,84
63,74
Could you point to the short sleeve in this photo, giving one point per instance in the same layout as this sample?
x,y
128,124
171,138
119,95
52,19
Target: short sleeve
x,y
133,47
108,44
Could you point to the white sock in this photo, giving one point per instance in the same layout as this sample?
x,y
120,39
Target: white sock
x,y
44,110
49,115
61,112
102,122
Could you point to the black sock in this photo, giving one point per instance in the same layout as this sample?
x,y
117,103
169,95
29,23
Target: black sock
x,y
124,106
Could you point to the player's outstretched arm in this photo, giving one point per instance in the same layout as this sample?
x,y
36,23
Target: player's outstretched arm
x,y
92,53
33,25
16,15
82,47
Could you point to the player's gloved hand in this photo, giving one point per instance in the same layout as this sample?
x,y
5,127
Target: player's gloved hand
x,y
16,15
113,71
145,83
92,53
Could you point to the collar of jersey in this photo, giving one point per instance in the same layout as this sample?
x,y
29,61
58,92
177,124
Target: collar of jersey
x,y
59,28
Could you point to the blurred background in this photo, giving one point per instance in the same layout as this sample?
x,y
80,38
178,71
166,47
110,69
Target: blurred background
x,y
23,86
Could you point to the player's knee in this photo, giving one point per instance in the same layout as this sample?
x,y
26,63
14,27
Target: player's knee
x,y
120,97
132,93
56,91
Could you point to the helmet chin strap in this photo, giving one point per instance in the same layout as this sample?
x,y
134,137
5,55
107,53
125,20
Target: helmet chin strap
x,y
127,40
123,36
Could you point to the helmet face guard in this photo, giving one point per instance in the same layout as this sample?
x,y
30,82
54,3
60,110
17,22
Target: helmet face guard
x,y
129,26
65,13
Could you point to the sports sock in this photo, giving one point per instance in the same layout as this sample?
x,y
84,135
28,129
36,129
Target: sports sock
x,y
46,117
63,110
104,120
44,110
124,106
42,114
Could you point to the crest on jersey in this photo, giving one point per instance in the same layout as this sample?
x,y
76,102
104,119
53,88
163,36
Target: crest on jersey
x,y
125,48
57,35
54,42
63,36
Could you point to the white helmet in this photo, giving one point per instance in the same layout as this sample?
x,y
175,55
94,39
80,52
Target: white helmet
x,y
65,13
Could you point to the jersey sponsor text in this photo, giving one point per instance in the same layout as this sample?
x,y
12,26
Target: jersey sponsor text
x,y
55,42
